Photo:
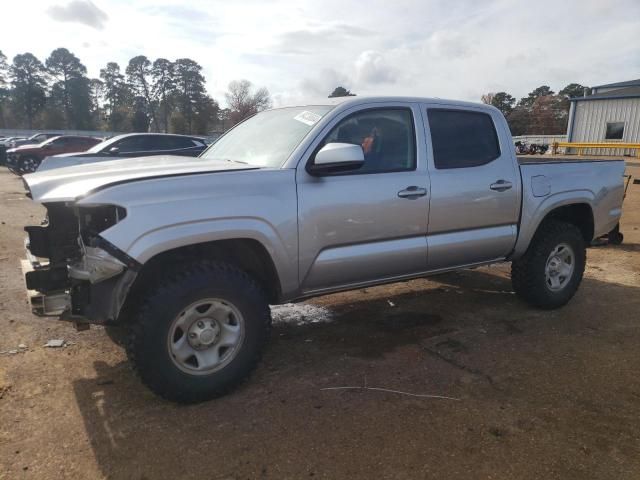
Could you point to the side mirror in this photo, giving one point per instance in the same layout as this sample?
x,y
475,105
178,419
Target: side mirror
x,y
114,151
336,158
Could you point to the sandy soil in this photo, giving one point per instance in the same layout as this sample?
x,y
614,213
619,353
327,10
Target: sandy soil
x,y
541,394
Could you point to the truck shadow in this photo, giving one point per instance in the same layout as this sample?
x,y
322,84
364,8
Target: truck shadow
x,y
276,425
627,247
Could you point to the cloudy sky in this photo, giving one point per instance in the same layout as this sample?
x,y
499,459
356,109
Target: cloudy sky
x,y
301,49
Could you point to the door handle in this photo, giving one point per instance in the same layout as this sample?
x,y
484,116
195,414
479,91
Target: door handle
x,y
501,186
412,192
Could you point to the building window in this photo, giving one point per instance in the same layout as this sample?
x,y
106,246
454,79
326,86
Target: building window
x,y
615,130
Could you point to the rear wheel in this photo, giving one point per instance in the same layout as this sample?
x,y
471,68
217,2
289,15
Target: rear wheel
x,y
615,237
200,333
550,272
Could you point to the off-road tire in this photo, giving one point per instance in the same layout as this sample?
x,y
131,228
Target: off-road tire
x,y
528,272
153,315
615,237
118,334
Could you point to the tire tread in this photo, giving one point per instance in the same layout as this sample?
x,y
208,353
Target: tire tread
x,y
142,320
525,271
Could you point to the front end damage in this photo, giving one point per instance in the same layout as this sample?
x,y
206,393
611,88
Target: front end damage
x,y
71,271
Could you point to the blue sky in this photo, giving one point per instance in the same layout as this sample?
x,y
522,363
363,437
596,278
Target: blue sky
x,y
300,50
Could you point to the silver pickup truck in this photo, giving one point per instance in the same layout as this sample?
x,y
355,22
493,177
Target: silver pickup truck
x,y
299,202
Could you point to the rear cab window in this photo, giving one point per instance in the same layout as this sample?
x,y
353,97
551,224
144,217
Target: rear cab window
x,y
462,138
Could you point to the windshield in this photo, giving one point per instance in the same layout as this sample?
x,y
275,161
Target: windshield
x,y
268,138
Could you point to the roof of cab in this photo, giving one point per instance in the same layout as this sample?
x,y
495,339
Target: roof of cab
x,y
347,102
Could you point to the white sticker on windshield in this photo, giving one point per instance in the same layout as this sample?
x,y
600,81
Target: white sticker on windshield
x,y
308,118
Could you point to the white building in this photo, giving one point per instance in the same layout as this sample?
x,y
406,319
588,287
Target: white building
x,y
610,114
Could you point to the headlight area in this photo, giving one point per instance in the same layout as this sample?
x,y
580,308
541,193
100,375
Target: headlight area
x,y
83,267
99,259
93,220
95,265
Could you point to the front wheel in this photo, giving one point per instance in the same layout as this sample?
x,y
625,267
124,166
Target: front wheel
x,y
199,333
550,272
28,164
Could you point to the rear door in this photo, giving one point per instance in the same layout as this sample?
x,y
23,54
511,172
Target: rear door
x,y
368,224
76,144
475,186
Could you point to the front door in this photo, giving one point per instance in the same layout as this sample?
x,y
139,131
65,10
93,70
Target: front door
x,y
368,224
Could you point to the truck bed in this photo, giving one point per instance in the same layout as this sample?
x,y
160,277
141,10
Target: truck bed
x,y
533,159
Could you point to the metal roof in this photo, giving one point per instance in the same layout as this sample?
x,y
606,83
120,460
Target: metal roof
x,y
628,83
632,92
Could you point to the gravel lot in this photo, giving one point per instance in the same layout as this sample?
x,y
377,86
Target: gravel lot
x,y
540,394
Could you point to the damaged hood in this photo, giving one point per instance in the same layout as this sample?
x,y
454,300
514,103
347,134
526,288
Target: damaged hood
x,y
69,184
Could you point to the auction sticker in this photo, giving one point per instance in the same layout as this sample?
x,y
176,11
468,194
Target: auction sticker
x,y
308,118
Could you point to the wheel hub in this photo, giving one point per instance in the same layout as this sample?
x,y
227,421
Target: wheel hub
x,y
554,266
559,267
203,333
205,336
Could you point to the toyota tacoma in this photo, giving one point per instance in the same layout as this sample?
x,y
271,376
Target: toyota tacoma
x,y
299,202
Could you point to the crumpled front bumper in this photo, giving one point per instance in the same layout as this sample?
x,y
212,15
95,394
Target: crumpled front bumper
x,y
37,274
91,290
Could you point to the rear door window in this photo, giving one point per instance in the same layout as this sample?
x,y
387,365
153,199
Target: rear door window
x,y
462,138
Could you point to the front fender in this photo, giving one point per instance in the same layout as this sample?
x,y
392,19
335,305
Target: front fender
x,y
175,236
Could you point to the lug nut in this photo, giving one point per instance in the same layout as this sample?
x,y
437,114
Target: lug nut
x,y
200,324
192,335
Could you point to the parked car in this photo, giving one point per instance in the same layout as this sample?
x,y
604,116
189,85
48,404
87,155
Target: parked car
x,y
131,145
27,158
3,148
299,202
6,141
32,140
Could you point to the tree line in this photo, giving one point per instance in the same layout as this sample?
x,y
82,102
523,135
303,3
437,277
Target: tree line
x,y
158,96
541,112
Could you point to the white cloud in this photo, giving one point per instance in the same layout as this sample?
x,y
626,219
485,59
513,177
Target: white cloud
x,y
79,11
302,49
371,69
449,44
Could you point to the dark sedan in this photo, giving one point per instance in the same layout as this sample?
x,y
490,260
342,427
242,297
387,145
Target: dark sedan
x,y
131,145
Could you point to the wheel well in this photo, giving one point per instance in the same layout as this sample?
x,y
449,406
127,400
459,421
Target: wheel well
x,y
578,214
248,254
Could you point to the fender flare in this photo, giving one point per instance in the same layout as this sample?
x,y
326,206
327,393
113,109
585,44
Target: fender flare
x,y
530,220
170,237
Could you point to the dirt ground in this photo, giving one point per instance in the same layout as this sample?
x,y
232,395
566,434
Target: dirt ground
x,y
540,394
